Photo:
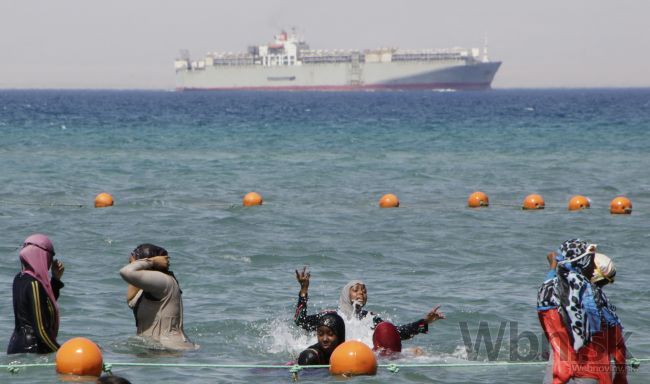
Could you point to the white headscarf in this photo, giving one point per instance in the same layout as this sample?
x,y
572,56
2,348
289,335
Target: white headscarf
x,y
346,306
605,268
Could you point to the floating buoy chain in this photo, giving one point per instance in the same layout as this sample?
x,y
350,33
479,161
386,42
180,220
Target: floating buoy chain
x,y
393,368
15,367
6,202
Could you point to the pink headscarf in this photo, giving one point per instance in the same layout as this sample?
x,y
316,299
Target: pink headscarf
x,y
36,255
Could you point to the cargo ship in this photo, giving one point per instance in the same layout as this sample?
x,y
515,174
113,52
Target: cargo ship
x,y
288,63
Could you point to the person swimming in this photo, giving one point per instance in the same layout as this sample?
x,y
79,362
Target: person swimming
x,y
352,300
330,332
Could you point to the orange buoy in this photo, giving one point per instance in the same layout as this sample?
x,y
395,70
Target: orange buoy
x,y
389,201
103,200
621,205
353,358
478,199
578,202
533,201
252,198
79,356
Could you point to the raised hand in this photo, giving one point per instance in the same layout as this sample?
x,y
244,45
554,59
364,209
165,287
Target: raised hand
x,y
303,278
433,315
160,263
57,269
550,257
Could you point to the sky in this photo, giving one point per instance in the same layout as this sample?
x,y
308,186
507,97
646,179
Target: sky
x,y
132,44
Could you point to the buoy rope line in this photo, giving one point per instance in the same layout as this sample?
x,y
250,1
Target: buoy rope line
x,y
435,205
294,369
53,204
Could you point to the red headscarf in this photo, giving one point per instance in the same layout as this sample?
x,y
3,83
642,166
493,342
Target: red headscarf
x,y
36,255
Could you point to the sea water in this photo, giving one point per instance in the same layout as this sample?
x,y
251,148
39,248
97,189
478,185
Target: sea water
x,y
178,165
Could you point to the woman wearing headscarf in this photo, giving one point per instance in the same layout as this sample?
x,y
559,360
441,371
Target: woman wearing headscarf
x,y
35,294
575,316
352,299
330,332
155,297
609,342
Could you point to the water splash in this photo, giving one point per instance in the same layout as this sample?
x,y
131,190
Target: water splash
x,y
359,329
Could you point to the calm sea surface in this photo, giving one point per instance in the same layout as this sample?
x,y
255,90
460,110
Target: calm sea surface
x,y
178,165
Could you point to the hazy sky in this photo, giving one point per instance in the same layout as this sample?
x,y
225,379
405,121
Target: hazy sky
x,y
132,44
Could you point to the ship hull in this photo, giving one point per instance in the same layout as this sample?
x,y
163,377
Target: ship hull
x,y
341,77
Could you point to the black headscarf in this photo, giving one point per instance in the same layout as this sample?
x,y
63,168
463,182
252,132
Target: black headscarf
x,y
315,354
334,322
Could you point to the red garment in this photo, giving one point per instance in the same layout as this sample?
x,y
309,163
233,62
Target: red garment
x,y
616,347
595,357
593,360
564,357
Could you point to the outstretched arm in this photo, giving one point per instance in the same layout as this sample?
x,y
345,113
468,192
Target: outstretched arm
x,y
433,315
407,331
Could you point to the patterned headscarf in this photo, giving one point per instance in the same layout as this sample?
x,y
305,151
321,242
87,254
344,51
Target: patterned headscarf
x,y
345,304
573,254
574,290
36,256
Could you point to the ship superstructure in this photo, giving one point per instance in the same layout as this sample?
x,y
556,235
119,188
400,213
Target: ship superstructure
x,y
288,63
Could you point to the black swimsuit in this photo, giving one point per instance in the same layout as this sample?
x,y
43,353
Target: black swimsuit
x,y
34,316
314,355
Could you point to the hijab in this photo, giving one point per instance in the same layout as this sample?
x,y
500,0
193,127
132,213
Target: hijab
x,y
316,354
574,290
334,322
345,304
36,257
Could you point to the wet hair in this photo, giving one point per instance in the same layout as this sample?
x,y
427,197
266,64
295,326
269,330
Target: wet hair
x,y
110,379
146,250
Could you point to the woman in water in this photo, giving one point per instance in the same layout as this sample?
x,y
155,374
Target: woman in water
x,y
155,297
330,331
35,294
351,302
578,320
